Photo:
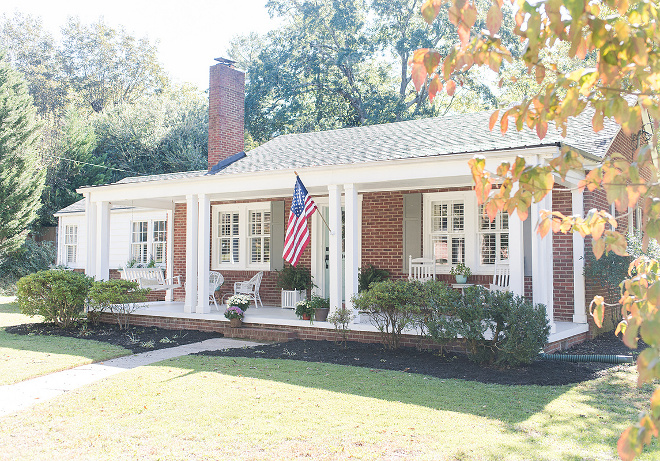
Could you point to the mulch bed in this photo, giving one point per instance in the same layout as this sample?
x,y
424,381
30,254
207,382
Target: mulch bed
x,y
135,338
410,360
373,356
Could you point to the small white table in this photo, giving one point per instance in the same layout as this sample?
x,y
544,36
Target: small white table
x,y
462,286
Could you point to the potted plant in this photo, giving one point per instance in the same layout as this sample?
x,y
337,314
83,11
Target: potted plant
x,y
294,283
321,308
305,310
461,271
236,307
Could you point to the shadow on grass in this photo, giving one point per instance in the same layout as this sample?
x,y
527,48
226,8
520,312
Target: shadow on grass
x,y
509,404
10,308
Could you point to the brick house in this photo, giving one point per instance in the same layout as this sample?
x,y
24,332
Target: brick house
x,y
395,190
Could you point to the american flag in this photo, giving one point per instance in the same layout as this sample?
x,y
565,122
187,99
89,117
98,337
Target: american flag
x,y
297,233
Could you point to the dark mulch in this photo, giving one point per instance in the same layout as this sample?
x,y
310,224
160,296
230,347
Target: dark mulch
x,y
135,338
410,360
375,356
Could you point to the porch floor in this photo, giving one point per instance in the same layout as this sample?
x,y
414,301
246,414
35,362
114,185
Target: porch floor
x,y
276,316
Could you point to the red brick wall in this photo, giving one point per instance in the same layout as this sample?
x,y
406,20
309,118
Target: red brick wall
x,y
179,247
562,266
226,113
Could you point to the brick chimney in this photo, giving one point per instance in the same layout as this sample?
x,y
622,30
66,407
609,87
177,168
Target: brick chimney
x,y
226,111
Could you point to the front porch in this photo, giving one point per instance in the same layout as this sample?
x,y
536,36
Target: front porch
x,y
272,323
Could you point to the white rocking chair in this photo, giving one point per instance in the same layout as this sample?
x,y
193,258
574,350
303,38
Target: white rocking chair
x,y
215,281
250,288
502,277
421,269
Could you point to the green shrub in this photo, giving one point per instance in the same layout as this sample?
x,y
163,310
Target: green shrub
x,y
392,306
294,278
497,327
317,302
58,295
120,297
370,274
340,319
31,257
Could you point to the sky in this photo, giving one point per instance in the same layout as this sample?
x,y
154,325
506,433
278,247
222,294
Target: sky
x,y
190,33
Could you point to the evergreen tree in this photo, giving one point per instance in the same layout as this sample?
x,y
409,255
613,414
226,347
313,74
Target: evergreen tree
x,y
21,178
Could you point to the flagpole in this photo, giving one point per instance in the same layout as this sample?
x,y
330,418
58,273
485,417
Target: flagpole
x,y
320,214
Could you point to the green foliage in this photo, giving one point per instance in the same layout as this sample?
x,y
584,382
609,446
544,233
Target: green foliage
x,y
294,278
341,318
71,168
370,274
120,297
461,269
392,306
340,63
318,302
105,65
305,308
31,257
497,327
57,295
21,179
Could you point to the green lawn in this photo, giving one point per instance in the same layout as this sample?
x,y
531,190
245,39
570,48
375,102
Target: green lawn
x,y
23,357
199,408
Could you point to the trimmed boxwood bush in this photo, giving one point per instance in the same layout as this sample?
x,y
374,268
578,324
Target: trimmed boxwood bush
x,y
58,295
392,306
497,327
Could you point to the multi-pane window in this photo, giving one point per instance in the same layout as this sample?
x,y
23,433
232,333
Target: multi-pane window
x,y
448,231
139,242
259,236
493,237
241,236
149,242
71,243
229,237
159,242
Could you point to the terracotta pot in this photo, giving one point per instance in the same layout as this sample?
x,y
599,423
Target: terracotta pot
x,y
306,317
235,323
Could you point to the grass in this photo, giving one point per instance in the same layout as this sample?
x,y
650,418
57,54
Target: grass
x,y
23,357
201,408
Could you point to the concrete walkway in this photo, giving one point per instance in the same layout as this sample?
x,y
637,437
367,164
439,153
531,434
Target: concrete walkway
x,y
14,397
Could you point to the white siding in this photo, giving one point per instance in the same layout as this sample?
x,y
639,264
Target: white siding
x,y
120,234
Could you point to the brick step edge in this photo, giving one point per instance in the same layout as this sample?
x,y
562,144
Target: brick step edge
x,y
259,334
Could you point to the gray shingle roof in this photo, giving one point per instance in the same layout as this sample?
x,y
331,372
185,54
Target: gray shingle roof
x,y
440,136
79,207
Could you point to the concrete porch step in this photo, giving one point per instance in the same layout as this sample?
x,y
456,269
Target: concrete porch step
x,y
260,334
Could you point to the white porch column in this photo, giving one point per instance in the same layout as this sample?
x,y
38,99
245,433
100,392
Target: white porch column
x,y
90,214
102,240
352,226
192,224
516,255
169,252
204,256
542,259
579,307
61,258
334,221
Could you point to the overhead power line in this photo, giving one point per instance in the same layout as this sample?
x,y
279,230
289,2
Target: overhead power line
x,y
93,164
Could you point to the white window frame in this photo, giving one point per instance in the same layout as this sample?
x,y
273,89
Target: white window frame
x,y
151,243
244,257
70,244
471,230
496,228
